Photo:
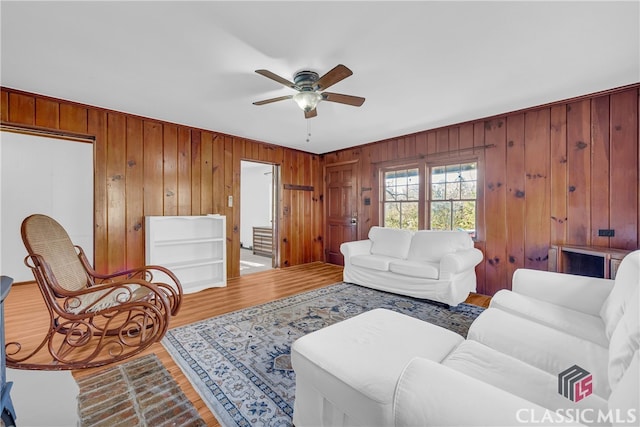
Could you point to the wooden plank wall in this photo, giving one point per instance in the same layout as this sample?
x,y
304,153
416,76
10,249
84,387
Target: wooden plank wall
x,y
149,167
553,174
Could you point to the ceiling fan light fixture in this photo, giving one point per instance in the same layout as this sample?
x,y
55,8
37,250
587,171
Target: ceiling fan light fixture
x,y
310,89
307,100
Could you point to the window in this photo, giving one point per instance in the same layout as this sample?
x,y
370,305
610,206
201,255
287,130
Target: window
x,y
430,196
452,197
401,189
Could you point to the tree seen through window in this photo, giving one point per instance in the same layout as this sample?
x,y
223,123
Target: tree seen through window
x,y
401,198
450,197
453,192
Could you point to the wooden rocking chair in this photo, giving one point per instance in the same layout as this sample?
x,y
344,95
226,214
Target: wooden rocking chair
x,y
95,319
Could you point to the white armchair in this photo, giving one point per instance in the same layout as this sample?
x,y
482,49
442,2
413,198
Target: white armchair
x,y
506,372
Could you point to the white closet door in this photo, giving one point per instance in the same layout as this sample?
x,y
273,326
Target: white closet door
x,y
45,175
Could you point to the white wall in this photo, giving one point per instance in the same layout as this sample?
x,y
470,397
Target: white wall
x,y
256,193
43,175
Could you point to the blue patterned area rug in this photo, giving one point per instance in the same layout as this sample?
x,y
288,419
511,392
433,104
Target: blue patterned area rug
x,y
240,362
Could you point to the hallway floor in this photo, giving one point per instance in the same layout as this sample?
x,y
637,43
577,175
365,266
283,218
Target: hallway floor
x,y
250,263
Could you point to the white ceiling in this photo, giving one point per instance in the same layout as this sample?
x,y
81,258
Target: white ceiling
x,y
419,64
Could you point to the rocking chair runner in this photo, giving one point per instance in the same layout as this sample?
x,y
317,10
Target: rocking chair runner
x,y
95,318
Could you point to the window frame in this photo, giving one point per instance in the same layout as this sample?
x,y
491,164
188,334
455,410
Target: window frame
x,y
383,170
424,167
429,166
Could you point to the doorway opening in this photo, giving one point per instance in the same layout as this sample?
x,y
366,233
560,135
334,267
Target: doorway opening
x,y
258,223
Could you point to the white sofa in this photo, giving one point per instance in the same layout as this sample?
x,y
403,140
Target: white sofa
x,y
383,368
429,264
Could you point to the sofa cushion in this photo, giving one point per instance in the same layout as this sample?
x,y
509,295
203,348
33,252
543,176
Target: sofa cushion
x,y
102,299
625,340
431,394
539,345
515,376
626,283
625,396
393,242
564,319
423,269
432,245
373,262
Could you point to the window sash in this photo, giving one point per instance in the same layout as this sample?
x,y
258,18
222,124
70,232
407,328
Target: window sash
x,y
407,187
402,197
449,200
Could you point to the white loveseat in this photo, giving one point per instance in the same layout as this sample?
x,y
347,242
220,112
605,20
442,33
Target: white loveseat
x,y
429,264
384,368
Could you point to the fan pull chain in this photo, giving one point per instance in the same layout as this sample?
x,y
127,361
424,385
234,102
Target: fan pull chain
x,y
308,130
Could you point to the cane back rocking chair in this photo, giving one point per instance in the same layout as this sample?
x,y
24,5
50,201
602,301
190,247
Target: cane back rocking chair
x,y
95,318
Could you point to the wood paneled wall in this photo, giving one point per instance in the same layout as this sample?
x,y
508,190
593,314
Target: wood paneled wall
x,y
550,174
149,167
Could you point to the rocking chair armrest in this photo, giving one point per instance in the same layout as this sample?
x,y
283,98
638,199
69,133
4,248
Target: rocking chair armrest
x,y
113,284
173,290
93,274
109,295
138,270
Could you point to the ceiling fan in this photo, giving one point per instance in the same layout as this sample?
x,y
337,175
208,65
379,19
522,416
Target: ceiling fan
x,y
309,86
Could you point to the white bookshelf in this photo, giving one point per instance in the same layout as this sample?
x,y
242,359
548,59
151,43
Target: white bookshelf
x,y
192,247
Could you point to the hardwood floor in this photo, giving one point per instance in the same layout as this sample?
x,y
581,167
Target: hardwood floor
x,y
479,299
26,316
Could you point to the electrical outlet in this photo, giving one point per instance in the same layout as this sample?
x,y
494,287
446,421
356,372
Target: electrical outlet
x,y
606,233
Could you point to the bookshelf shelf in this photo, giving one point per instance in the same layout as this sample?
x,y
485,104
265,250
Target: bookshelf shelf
x,y
192,247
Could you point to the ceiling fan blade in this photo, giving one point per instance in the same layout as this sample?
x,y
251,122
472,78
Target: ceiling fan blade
x,y
269,101
339,72
310,114
356,101
268,74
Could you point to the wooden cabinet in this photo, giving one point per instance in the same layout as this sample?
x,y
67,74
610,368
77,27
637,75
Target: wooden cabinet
x,y
192,247
263,241
594,261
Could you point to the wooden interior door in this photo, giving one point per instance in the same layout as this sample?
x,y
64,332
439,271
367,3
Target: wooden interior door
x,y
341,192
